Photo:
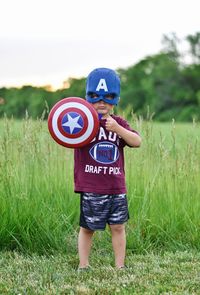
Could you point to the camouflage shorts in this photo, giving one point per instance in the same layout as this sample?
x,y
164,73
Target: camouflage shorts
x,y
98,210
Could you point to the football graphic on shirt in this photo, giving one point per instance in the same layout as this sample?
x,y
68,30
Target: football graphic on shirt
x,y
73,122
104,152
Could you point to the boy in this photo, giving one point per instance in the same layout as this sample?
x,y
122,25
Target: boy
x,y
99,169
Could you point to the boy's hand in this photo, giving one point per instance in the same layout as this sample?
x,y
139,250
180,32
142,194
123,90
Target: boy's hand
x,y
111,124
131,138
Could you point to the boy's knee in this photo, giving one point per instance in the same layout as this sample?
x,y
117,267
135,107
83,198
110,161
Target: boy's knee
x,y
86,231
117,228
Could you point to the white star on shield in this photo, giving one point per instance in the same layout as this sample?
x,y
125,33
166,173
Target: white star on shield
x,y
72,123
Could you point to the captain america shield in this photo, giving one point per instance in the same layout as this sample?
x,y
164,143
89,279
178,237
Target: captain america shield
x,y
73,122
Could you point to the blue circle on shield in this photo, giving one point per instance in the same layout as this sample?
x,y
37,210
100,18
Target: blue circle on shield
x,y
72,123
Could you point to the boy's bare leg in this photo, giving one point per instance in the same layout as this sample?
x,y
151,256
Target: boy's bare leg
x,y
84,246
119,243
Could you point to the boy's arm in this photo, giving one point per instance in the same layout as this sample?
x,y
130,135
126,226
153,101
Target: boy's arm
x,y
131,138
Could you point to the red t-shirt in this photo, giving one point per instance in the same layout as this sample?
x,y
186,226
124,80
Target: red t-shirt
x,y
99,166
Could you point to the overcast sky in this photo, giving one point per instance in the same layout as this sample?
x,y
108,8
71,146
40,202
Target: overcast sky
x,y
46,41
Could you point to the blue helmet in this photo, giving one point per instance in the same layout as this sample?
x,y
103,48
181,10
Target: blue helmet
x,y
103,84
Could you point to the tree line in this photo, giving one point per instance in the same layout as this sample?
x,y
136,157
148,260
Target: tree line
x,y
166,84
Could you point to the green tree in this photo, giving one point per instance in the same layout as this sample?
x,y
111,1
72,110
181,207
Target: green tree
x,y
151,82
194,42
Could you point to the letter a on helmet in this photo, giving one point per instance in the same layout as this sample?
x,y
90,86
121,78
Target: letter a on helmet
x,y
102,85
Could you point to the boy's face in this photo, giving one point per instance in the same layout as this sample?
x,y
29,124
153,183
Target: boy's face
x,y
101,106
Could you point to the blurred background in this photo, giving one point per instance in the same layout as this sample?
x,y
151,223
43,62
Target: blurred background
x,y
47,49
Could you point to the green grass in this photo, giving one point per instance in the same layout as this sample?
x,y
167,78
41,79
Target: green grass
x,y
39,211
169,273
163,185
39,215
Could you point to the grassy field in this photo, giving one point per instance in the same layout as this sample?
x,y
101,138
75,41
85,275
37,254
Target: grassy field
x,y
169,273
39,210
39,214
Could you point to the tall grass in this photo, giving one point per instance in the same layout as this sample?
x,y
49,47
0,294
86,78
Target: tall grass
x,y
39,211
164,188
36,194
